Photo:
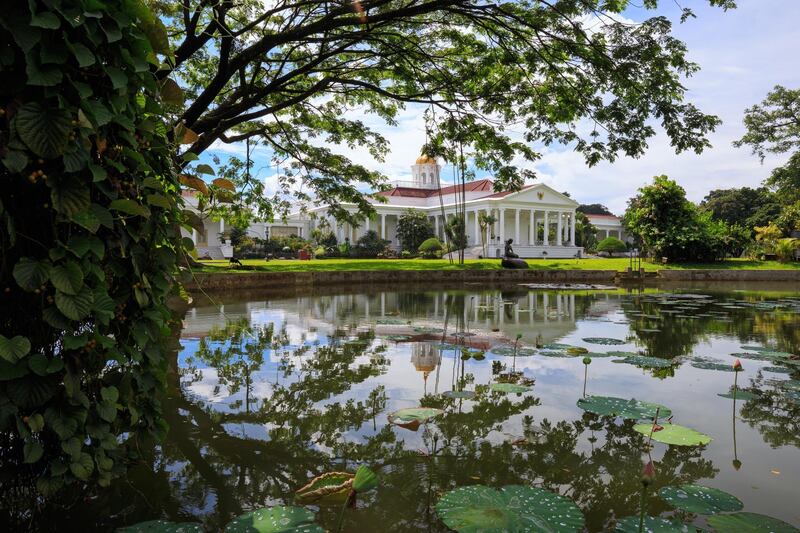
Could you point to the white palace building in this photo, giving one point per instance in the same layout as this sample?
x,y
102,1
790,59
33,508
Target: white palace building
x,y
539,219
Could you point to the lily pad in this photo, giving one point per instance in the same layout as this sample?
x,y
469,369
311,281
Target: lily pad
x,y
777,369
652,524
749,523
397,338
740,395
646,361
604,340
328,488
577,350
555,353
509,351
632,409
698,499
556,346
674,434
790,384
412,417
459,394
509,387
713,365
278,519
163,526
513,508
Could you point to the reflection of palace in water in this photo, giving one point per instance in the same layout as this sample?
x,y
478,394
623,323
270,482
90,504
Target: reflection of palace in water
x,y
532,313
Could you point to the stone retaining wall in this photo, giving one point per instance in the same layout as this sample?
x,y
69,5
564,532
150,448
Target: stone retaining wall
x,y
730,275
269,280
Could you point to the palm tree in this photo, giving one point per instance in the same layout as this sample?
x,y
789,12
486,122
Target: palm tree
x,y
485,221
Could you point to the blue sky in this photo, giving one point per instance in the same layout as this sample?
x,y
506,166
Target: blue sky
x,y
743,53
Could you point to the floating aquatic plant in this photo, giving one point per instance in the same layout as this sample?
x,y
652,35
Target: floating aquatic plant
x,y
603,340
631,409
364,481
577,350
412,417
673,434
509,387
278,519
509,351
707,364
163,526
749,523
459,394
327,488
518,508
698,499
650,524
646,361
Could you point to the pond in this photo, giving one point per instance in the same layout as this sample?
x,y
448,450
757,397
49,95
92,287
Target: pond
x,y
271,392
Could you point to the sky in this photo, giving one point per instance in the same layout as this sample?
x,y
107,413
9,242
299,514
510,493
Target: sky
x,y
743,54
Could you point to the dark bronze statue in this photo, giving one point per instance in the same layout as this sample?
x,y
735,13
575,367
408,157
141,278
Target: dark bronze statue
x,y
509,250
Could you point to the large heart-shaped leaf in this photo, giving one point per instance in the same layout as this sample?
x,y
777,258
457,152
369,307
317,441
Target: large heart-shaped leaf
x,y
15,348
509,387
275,520
43,130
632,409
330,488
75,306
674,434
67,278
698,499
749,523
31,274
131,207
163,526
410,415
513,508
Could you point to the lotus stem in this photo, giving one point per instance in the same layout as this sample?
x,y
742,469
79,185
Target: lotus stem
x,y
653,428
340,522
585,377
642,508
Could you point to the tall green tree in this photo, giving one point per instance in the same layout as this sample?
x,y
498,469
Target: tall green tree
x,y
89,239
594,209
746,207
413,228
290,75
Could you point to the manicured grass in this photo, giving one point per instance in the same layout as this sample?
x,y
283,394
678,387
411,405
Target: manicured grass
x,y
323,265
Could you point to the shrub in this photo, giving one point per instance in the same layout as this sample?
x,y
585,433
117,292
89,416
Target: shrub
x,y
405,254
431,248
320,252
413,227
370,245
611,245
785,249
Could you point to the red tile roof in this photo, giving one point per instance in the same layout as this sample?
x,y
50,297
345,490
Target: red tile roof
x,y
472,186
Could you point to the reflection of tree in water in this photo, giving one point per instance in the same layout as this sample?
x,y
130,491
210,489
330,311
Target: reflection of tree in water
x,y
774,413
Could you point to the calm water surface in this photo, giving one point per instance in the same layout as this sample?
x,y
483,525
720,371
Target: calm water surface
x,y
272,392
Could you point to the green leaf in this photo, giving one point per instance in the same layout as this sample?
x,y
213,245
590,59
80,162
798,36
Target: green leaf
x,y
77,306
83,55
67,278
15,161
190,156
631,409
15,348
646,361
204,169
44,130
414,415
365,479
42,75
107,411
327,488
159,200
509,387
156,33
98,111
87,220
31,392
39,363
118,77
162,526
130,207
36,422
109,394
698,499
171,93
674,434
478,508
193,220
749,523
10,371
83,467
72,446
278,519
70,197
31,274
64,426
32,451
46,20
608,341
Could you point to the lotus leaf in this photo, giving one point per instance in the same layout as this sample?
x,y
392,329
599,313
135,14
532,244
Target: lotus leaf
x,y
392,321
646,361
508,387
698,499
760,356
413,415
777,369
276,519
577,350
614,353
397,338
509,351
713,365
365,479
652,524
328,488
674,434
163,526
555,353
556,346
513,508
603,340
749,523
740,395
791,384
632,409
459,394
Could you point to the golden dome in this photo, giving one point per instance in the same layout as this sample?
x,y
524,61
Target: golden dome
x,y
425,159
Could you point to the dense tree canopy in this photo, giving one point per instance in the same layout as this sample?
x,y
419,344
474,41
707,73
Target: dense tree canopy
x,y
594,209
745,207
301,77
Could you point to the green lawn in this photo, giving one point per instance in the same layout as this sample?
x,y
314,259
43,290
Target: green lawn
x,y
321,265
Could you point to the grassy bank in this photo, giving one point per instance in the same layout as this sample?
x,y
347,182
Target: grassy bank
x,y
325,265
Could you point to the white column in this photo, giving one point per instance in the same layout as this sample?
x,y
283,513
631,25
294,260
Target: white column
x,y
436,225
532,229
221,225
516,228
366,225
547,228
477,228
572,220
194,236
502,217
383,226
559,228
